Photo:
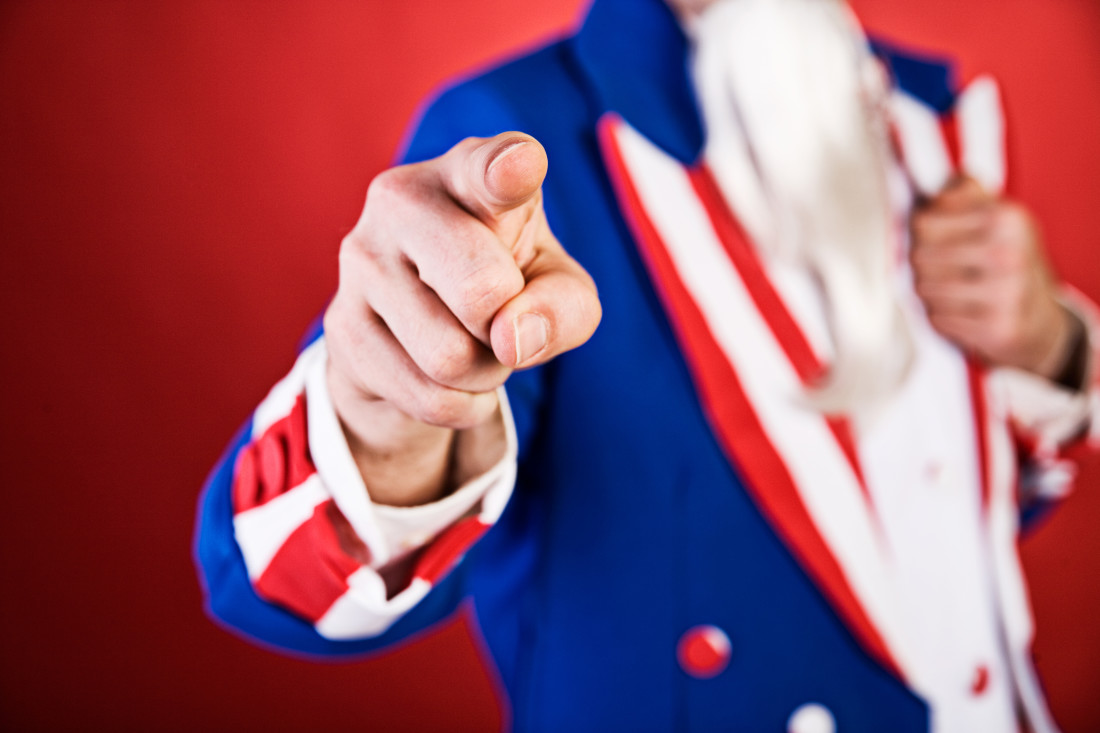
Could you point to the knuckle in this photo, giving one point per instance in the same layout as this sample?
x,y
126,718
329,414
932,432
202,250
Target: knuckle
x,y
364,259
1013,213
389,184
441,407
342,344
395,194
484,290
351,246
452,359
336,322
1015,220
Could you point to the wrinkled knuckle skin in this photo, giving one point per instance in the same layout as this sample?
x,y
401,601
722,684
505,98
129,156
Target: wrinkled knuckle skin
x,y
394,195
484,291
339,341
388,186
364,262
1017,223
350,248
1014,214
451,360
441,407
336,324
479,292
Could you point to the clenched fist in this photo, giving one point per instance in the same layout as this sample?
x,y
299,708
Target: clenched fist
x,y
449,281
980,270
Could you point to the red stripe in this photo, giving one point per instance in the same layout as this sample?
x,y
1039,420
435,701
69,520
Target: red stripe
x,y
735,422
310,570
976,376
275,462
448,548
771,307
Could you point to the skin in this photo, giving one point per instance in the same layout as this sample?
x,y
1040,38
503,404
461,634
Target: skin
x,y
449,281
981,273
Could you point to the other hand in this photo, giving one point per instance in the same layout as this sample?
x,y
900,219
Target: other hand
x,y
981,273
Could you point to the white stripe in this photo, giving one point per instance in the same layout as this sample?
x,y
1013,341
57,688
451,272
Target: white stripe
x,y
820,471
364,611
280,400
331,455
923,471
923,148
1008,575
262,530
499,482
980,121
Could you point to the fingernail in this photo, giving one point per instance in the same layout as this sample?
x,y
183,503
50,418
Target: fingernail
x,y
531,335
503,152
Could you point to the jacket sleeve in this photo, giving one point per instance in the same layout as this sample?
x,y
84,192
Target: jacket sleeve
x,y
1052,424
290,550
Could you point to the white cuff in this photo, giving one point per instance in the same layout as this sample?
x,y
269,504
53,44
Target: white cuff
x,y
390,532
1050,413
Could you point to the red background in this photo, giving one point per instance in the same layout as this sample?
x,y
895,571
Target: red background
x,y
175,181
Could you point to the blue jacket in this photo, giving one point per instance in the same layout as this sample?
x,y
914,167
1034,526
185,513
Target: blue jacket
x,y
629,525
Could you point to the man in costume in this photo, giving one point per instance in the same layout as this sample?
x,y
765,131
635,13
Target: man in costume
x,y
777,489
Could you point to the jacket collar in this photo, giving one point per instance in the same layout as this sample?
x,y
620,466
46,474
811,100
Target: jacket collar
x,y
636,57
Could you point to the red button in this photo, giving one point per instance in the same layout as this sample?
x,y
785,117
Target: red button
x,y
703,651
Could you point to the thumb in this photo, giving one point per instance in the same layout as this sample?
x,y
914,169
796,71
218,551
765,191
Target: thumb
x,y
496,179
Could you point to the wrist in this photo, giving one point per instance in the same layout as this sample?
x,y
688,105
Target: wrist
x,y
1059,355
403,462
1072,371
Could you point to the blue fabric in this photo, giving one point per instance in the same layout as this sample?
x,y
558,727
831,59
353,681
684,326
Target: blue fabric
x,y
629,525
930,79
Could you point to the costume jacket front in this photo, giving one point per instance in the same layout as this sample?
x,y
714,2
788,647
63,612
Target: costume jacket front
x,y
660,563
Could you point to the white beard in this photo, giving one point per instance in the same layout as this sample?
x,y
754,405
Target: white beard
x,y
794,101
